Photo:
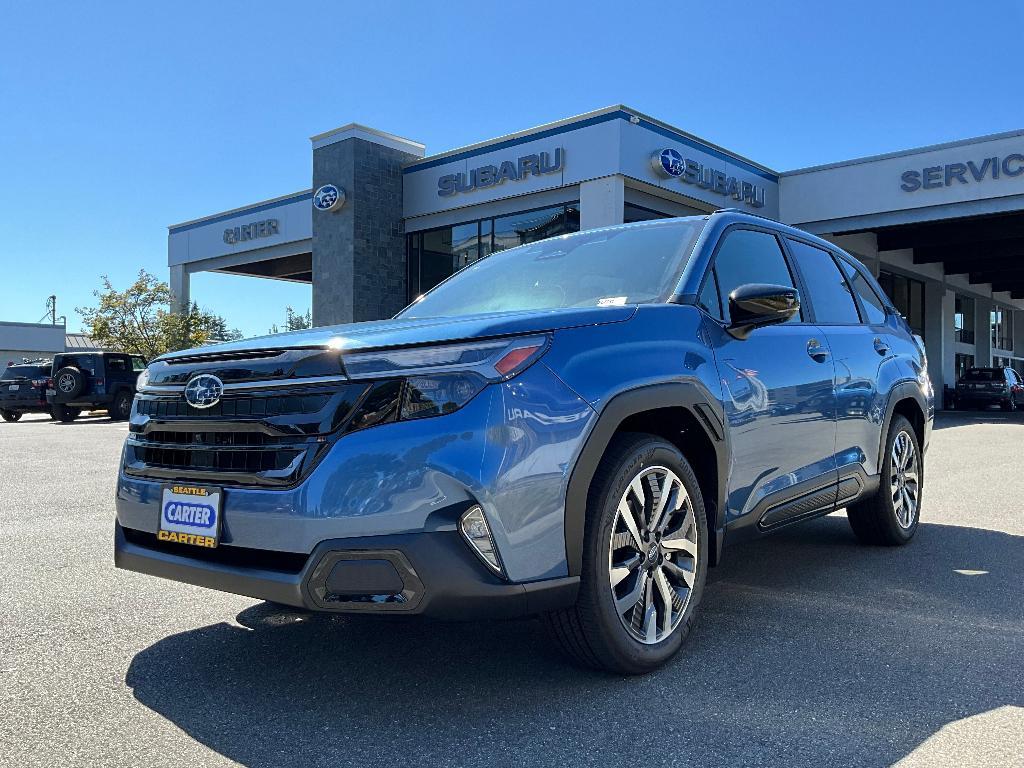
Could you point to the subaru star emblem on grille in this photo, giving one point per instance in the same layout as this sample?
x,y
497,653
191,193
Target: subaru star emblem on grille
x,y
328,198
203,391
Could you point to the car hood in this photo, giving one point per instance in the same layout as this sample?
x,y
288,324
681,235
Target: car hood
x,y
399,332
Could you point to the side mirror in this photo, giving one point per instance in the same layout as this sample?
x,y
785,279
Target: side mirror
x,y
756,305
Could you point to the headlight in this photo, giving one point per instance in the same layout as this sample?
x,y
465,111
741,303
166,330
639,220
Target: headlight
x,y
143,378
421,382
493,360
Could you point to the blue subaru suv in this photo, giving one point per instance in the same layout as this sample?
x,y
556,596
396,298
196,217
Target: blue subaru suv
x,y
573,428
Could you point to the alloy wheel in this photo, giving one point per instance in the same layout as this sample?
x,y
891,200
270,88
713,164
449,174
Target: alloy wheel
x,y
652,555
904,480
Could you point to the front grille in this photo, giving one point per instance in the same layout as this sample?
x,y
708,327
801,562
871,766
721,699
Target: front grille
x,y
191,458
214,439
260,437
246,406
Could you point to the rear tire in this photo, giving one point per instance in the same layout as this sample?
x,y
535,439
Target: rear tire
x,y
10,415
891,516
65,413
642,581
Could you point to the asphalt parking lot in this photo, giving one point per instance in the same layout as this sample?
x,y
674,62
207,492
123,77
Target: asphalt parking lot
x,y
812,650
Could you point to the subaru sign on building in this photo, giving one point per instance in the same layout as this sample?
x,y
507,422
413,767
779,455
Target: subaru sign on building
x,y
383,221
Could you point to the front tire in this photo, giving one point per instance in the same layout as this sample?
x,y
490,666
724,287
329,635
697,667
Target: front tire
x,y
644,560
10,415
121,408
891,516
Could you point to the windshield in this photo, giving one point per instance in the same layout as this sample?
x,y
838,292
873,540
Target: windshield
x,y
598,268
25,372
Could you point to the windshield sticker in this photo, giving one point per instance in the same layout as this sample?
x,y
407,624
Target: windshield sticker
x,y
611,301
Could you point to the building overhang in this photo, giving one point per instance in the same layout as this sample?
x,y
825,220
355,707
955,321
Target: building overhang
x,y
614,141
986,249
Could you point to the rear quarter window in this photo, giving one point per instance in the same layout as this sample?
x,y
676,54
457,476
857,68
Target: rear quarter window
x,y
870,301
830,293
86,363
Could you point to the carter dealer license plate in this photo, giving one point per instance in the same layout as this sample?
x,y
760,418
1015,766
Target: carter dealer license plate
x,y
190,514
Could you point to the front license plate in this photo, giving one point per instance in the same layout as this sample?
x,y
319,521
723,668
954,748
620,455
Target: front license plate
x,y
14,387
190,514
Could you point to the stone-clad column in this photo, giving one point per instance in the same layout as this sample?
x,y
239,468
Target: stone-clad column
x,y
359,264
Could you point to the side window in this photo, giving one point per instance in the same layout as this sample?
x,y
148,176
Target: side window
x,y
747,256
708,300
830,293
874,309
138,364
116,365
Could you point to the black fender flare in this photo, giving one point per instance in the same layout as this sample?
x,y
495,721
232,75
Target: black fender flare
x,y
691,395
904,390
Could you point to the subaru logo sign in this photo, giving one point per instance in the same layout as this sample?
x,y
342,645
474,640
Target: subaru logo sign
x,y
328,198
203,391
668,163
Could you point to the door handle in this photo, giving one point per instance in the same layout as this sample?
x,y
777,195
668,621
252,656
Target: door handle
x,y
881,347
816,351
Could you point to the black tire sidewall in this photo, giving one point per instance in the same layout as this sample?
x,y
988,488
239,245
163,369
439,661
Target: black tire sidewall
x,y
116,413
10,415
629,654
900,424
65,413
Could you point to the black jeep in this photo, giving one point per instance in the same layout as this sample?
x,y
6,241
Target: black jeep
x,y
23,389
92,381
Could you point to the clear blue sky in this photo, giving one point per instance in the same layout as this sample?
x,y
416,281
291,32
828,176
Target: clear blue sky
x,y
119,119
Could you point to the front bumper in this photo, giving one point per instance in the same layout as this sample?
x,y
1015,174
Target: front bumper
x,y
85,400
24,405
431,573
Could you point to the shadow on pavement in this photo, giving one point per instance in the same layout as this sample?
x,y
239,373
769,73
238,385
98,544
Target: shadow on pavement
x,y
812,650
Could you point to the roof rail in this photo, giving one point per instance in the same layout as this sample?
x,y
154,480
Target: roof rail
x,y
746,213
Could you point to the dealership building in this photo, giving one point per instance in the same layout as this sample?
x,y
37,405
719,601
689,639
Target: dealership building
x,y
942,226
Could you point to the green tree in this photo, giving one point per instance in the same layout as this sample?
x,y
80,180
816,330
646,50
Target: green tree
x,y
293,321
138,319
296,322
219,331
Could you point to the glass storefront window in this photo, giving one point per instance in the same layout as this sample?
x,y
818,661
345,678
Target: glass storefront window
x,y
435,258
486,241
436,254
465,244
1002,328
961,363
529,227
632,213
963,319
